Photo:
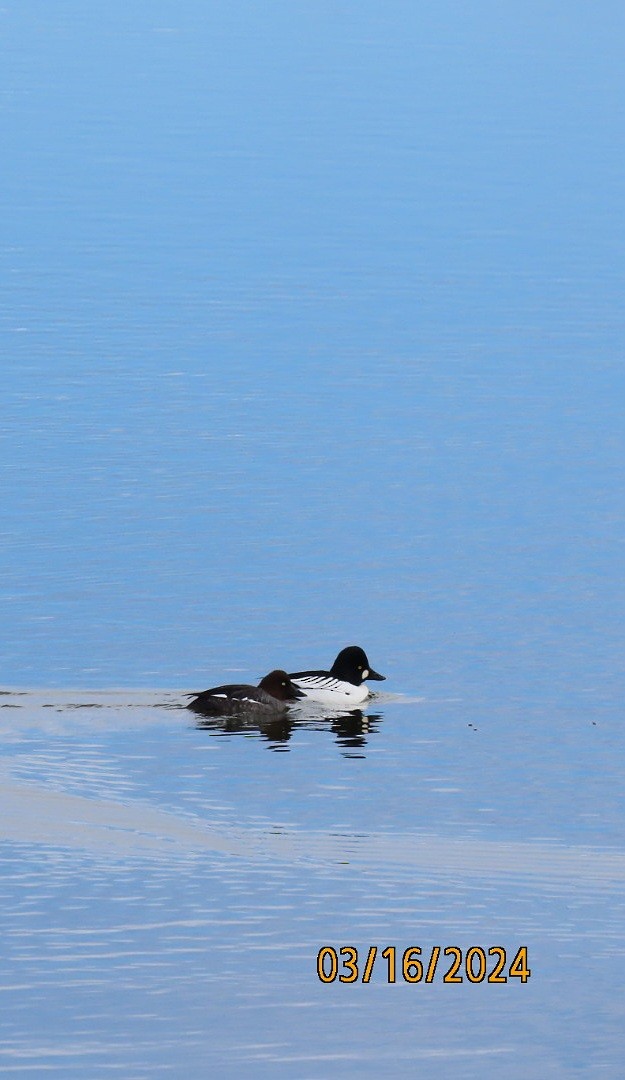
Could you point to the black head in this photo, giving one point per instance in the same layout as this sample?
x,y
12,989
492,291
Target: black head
x,y
352,665
278,684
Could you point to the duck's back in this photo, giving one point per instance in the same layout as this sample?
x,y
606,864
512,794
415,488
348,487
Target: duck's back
x,y
235,698
324,688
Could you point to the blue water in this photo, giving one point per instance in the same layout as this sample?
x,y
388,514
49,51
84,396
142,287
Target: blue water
x,y
312,333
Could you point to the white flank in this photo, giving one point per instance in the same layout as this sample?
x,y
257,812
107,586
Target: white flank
x,y
332,692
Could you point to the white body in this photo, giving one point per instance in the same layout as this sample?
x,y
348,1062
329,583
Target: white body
x,y
331,692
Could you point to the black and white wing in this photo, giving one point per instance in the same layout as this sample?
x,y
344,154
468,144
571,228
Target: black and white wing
x,y
314,680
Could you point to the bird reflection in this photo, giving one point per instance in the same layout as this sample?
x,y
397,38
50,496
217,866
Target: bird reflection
x,y
275,729
352,729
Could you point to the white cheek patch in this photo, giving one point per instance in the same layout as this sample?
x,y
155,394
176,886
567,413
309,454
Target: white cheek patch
x,y
365,673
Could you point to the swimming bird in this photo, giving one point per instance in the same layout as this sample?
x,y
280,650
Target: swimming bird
x,y
272,696
343,686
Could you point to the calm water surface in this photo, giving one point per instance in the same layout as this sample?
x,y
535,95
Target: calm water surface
x,y
312,333
166,888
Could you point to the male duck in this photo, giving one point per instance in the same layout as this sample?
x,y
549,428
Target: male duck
x,y
343,686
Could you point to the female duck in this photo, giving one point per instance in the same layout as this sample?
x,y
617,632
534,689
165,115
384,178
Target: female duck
x,y
272,696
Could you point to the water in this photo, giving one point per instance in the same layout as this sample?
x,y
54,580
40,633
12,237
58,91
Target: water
x,y
166,889
311,325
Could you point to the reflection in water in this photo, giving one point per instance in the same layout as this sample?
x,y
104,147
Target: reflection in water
x,y
153,880
276,729
352,729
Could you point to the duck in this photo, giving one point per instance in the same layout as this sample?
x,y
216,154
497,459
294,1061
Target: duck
x,y
343,686
273,695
